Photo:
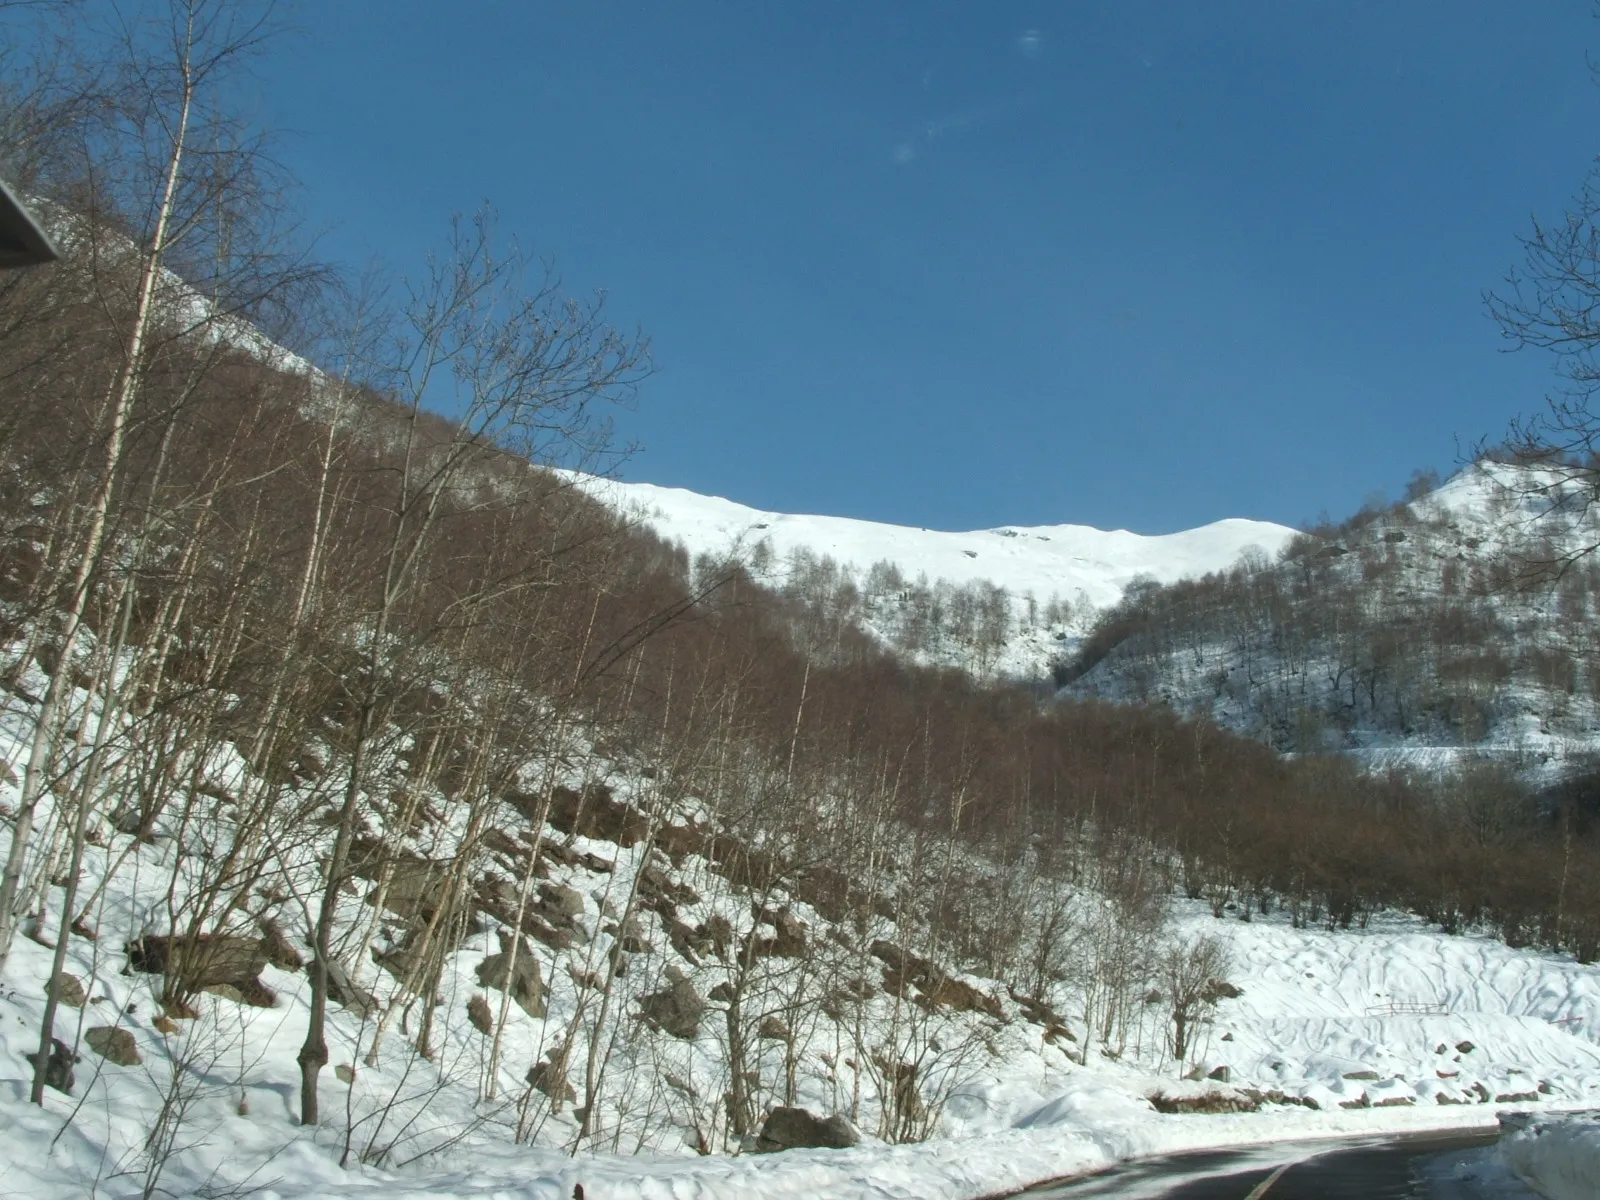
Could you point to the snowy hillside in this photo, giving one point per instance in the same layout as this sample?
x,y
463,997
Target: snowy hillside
x,y
1391,1028
1460,622
379,811
1067,561
1051,580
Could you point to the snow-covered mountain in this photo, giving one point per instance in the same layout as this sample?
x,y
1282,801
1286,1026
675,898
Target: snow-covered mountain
x,y
1460,622
1066,561
1042,585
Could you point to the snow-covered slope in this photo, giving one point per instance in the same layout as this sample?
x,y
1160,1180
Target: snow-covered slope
x,y
998,602
1393,1029
1042,560
1411,637
1560,1156
1388,1027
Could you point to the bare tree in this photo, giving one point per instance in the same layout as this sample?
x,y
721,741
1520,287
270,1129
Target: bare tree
x,y
1551,302
529,369
1195,976
143,176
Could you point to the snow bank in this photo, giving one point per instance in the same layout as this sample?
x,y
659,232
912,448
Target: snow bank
x,y
1557,1155
1015,1124
1085,1130
1087,1127
1402,1013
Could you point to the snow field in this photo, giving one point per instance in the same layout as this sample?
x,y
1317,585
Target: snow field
x,y
1044,560
1399,1002
1558,1156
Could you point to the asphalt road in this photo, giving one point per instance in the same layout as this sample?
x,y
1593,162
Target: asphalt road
x,y
1458,1166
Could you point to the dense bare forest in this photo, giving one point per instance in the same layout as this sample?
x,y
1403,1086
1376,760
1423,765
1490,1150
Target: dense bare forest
x,y
1455,619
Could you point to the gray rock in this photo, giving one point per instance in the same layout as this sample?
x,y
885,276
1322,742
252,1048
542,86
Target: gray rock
x,y
631,935
795,1128
550,1077
69,990
521,980
413,961
416,887
791,934
342,991
566,901
275,944
676,1009
480,1016
1516,1097
114,1044
192,964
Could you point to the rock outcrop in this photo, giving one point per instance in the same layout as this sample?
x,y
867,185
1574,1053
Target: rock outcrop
x,y
795,1129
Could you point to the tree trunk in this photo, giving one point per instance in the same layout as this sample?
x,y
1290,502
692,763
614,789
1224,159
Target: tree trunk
x,y
119,403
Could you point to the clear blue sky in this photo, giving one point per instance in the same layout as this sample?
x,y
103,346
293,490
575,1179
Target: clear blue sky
x,y
960,264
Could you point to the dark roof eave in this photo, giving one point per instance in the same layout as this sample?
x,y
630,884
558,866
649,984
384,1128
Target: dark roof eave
x,y
22,242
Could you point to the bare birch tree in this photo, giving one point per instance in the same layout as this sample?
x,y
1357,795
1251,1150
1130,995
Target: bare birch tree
x,y
149,173
518,371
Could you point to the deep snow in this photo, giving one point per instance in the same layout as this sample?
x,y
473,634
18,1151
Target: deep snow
x,y
1395,1004
1559,1156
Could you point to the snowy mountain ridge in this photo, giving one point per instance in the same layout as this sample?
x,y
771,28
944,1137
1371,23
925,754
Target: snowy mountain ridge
x,y
1005,601
1456,624
1065,561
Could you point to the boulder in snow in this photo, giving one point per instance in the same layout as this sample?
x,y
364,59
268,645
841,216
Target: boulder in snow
x,y
193,964
795,1128
520,978
676,1009
114,1044
69,990
58,1072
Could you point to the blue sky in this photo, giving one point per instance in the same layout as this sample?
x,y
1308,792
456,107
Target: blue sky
x,y
1120,262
